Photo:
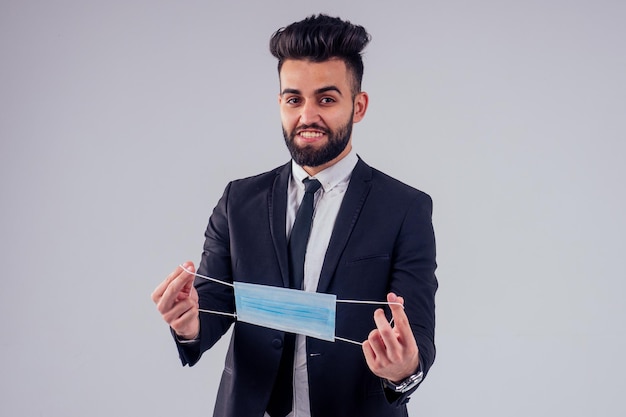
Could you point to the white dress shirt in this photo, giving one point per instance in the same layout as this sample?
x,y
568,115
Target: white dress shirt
x,y
328,198
326,203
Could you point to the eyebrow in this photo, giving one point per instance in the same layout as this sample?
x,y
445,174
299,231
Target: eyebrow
x,y
318,91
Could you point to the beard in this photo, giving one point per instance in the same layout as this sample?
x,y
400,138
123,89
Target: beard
x,y
312,156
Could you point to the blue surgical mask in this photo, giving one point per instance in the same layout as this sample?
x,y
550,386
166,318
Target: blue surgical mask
x,y
307,313
295,311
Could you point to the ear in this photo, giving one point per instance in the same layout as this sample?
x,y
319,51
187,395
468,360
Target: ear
x,y
360,106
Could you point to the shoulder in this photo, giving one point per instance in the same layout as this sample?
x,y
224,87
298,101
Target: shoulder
x,y
385,186
257,186
262,180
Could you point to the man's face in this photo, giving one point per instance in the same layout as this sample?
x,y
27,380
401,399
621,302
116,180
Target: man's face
x,y
317,110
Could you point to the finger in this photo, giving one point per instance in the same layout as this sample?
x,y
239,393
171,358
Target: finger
x,y
177,310
172,292
370,355
406,344
380,319
394,337
175,291
376,342
375,353
386,333
400,319
186,325
160,289
186,290
188,267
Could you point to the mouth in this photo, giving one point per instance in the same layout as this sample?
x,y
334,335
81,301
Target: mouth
x,y
310,136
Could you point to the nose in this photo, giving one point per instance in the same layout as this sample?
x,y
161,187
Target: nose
x,y
309,113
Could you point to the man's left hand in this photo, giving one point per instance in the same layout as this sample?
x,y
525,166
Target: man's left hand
x,y
391,352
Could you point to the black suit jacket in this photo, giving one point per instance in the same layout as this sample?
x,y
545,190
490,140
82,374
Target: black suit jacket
x,y
382,241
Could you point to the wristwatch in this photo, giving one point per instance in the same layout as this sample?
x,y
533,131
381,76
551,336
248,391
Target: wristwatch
x,y
406,385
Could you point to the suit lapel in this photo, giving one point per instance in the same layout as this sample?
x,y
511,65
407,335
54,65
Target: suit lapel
x,y
351,206
277,209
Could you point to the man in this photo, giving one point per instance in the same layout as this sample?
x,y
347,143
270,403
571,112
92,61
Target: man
x,y
371,238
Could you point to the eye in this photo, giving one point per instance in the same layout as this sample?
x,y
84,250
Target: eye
x,y
292,101
327,100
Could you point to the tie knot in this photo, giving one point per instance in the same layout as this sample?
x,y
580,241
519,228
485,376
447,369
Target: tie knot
x,y
311,185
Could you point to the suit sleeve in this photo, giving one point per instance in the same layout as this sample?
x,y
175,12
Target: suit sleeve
x,y
215,263
413,277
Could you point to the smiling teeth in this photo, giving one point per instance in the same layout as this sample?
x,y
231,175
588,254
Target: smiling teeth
x,y
309,135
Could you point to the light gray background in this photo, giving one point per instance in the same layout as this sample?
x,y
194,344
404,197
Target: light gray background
x,y
122,121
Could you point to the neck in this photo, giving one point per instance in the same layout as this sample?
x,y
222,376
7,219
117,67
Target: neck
x,y
312,171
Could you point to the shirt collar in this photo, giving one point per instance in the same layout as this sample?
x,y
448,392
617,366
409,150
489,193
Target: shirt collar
x,y
331,176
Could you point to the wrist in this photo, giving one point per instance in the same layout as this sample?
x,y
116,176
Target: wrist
x,y
405,384
186,338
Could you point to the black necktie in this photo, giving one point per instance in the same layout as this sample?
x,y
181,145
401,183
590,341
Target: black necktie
x,y
281,400
300,234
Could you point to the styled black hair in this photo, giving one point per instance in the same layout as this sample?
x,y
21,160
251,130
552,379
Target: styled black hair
x,y
320,38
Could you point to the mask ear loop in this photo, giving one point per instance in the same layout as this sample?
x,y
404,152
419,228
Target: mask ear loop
x,y
366,302
214,280
338,301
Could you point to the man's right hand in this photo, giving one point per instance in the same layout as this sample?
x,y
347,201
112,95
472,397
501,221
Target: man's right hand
x,y
177,300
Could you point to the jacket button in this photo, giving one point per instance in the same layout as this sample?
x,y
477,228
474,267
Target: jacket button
x,y
277,343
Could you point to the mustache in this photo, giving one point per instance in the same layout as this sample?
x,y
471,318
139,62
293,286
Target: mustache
x,y
312,126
